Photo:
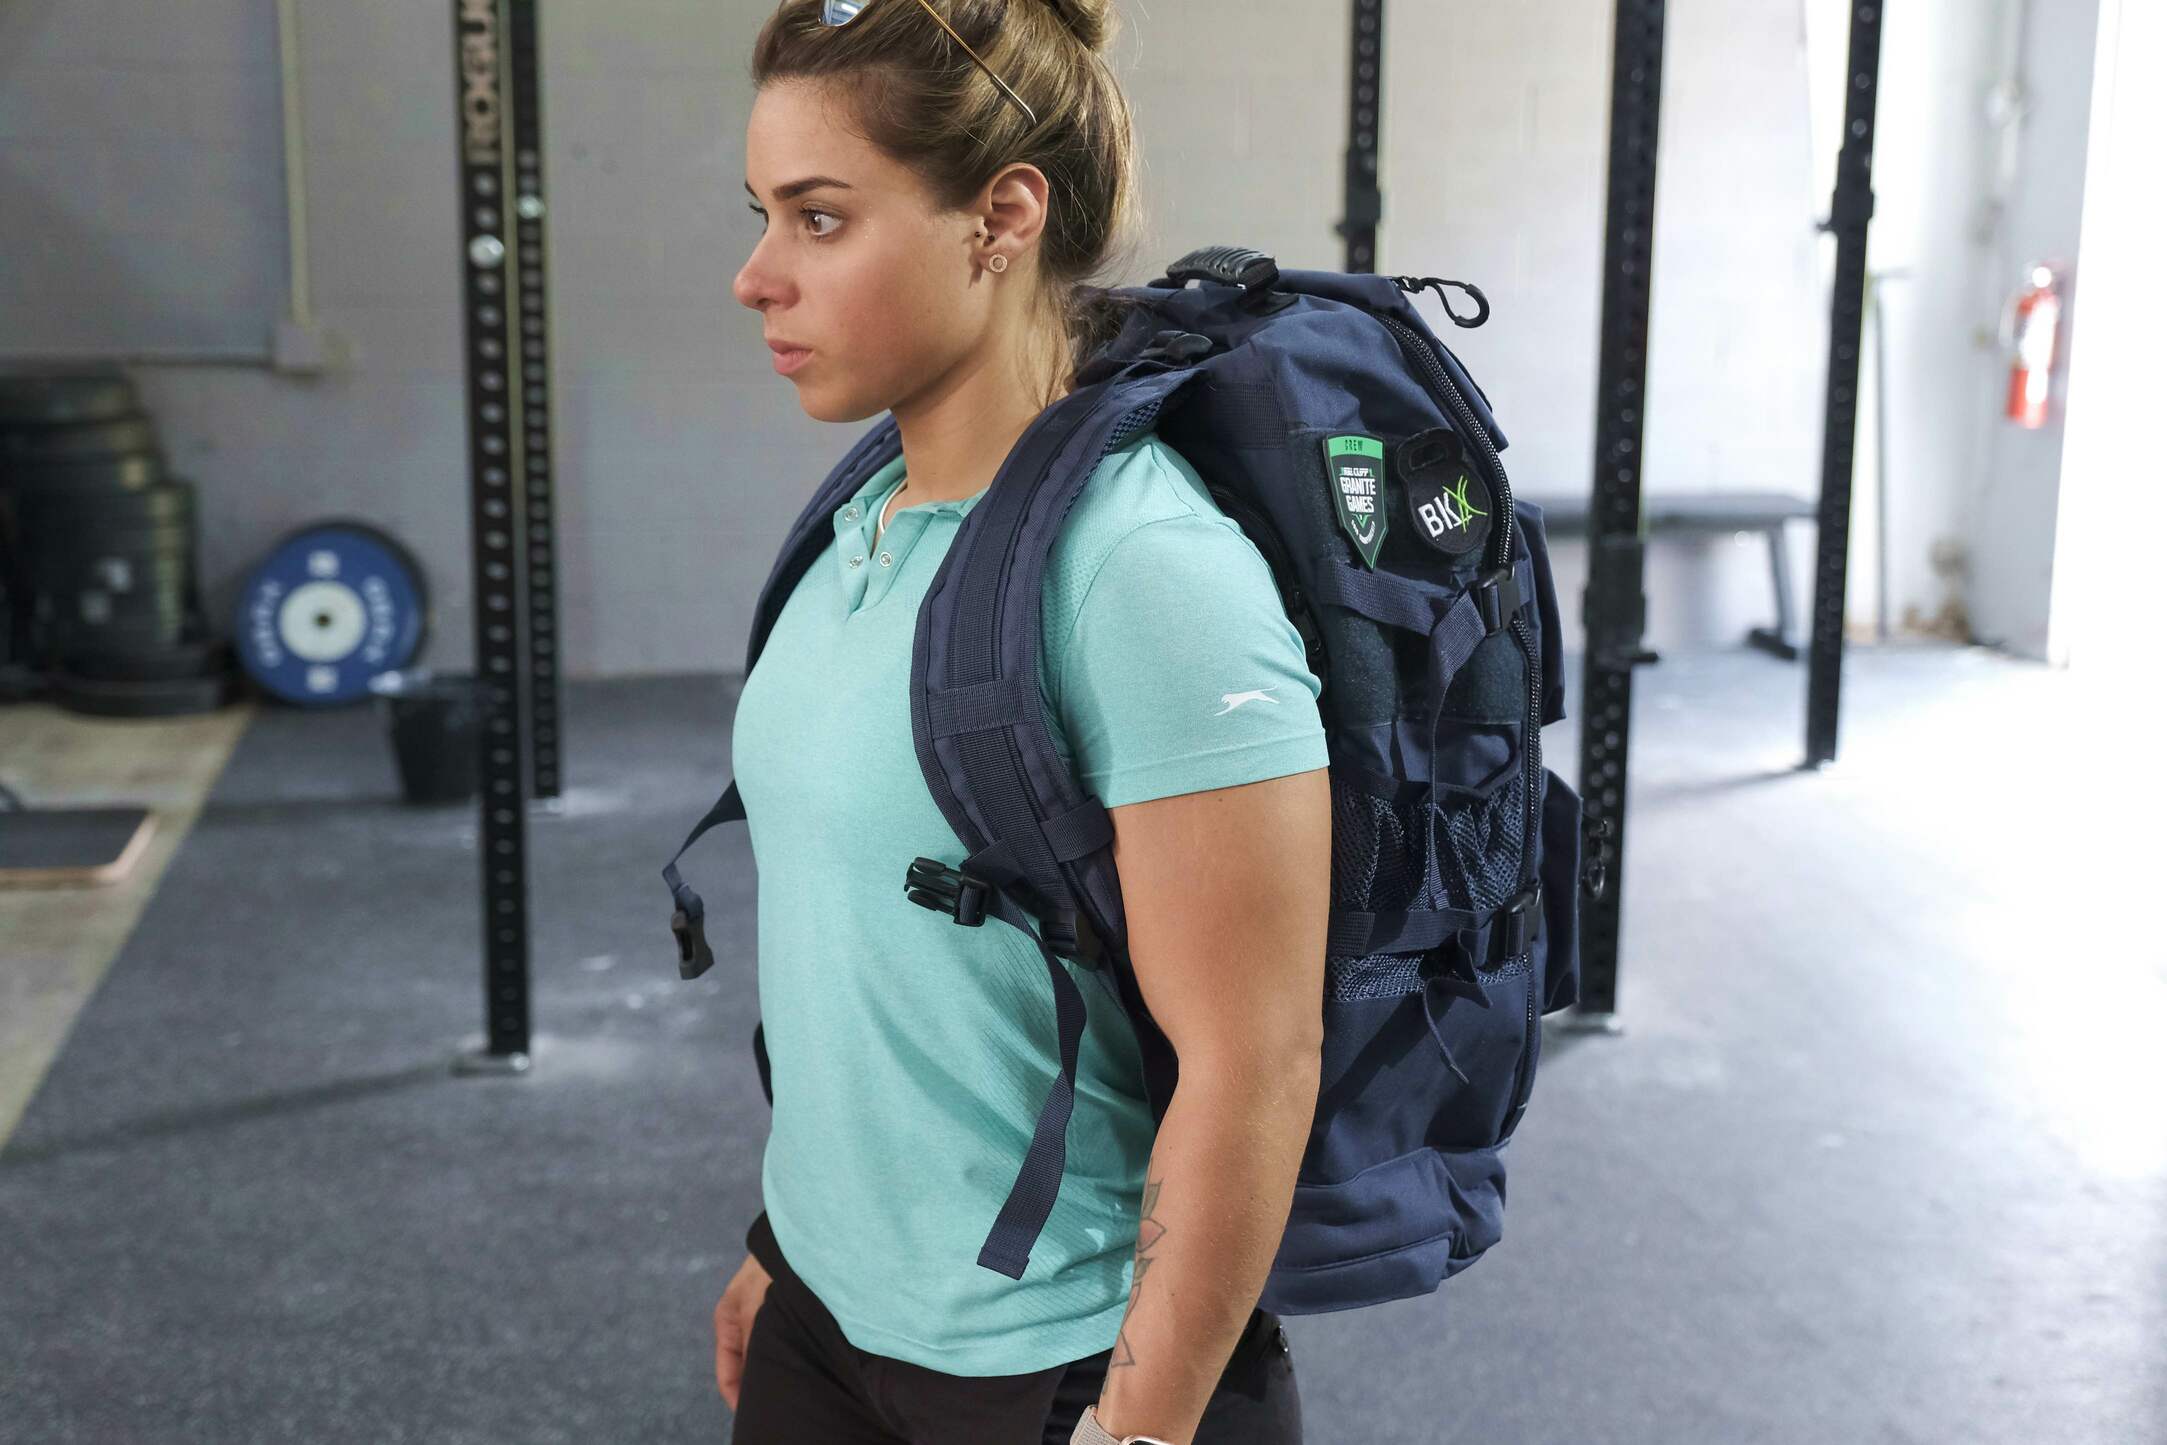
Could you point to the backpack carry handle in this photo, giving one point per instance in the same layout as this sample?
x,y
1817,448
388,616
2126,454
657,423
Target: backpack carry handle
x,y
1252,271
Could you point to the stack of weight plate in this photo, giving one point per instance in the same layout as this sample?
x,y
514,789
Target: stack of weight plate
x,y
99,545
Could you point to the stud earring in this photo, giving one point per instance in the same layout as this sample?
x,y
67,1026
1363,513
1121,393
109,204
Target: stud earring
x,y
998,264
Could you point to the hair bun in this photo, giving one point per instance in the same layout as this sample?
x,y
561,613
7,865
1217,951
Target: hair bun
x,y
1090,21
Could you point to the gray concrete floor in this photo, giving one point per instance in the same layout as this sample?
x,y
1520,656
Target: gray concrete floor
x,y
1881,1155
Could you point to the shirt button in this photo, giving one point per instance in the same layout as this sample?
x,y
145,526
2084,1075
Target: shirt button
x,y
885,559
850,513
856,560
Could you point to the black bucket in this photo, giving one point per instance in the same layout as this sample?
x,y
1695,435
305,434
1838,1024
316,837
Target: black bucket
x,y
436,728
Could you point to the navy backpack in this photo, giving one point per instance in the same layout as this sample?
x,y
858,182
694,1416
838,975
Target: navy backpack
x,y
1358,455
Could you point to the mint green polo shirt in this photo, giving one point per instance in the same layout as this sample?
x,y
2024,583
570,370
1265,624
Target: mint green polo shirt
x,y
910,1056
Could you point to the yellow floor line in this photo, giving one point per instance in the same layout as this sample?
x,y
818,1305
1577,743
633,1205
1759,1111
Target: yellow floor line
x,y
57,943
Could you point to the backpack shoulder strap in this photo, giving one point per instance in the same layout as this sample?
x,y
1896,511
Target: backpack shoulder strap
x,y
809,536
987,755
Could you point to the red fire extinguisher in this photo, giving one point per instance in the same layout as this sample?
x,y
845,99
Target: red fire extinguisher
x,y
2031,330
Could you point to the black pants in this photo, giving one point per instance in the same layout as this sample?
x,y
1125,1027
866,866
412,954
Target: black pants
x,y
806,1384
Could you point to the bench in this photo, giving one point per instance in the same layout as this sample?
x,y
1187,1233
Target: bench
x,y
1701,514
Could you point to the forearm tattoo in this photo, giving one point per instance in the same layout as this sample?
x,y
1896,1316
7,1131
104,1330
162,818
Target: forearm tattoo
x,y
1148,1233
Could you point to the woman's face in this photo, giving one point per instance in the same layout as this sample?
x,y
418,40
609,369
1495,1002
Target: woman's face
x,y
860,270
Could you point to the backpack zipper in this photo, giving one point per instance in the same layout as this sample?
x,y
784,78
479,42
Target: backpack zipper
x,y
1531,755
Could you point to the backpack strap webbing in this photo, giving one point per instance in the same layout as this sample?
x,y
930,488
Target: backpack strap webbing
x,y
985,749
689,923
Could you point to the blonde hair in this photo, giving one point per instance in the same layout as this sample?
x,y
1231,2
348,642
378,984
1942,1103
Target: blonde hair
x,y
916,97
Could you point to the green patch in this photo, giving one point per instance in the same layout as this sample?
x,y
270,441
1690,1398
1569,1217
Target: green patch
x,y
1355,466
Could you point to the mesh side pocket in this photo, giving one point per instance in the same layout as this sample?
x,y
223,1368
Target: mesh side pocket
x,y
1464,851
1383,860
1481,844
1380,851
1379,975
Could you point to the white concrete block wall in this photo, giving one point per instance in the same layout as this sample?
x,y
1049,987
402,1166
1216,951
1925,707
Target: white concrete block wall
x,y
108,240
1495,170
1931,173
1972,501
2011,508
681,458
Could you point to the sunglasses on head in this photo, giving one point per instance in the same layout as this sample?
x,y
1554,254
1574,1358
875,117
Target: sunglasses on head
x,y
842,12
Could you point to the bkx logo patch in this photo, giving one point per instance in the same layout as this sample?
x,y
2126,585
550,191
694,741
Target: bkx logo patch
x,y
1451,506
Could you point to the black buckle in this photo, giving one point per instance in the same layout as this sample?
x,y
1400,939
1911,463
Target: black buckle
x,y
1850,206
1176,346
1595,855
1522,914
1497,597
932,884
1069,934
694,957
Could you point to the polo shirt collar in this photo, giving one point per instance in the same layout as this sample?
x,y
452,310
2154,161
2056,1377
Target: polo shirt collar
x,y
864,574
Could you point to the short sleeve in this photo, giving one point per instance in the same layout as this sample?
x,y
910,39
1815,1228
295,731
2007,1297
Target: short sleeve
x,y
1182,671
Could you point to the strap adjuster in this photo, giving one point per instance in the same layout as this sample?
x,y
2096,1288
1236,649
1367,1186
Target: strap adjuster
x,y
1497,598
694,957
932,884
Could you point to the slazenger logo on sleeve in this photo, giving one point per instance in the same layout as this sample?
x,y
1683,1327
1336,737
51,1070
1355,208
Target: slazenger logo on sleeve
x,y
1234,700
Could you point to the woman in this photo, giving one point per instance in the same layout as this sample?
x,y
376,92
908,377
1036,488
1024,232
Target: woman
x,y
936,178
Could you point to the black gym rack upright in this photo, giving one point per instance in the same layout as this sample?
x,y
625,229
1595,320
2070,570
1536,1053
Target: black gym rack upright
x,y
497,75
